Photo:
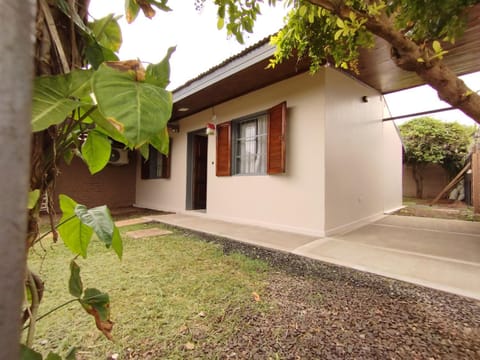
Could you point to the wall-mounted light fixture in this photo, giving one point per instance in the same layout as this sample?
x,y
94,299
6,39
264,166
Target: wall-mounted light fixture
x,y
173,127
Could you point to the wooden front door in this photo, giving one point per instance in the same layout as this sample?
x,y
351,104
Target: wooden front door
x,y
200,149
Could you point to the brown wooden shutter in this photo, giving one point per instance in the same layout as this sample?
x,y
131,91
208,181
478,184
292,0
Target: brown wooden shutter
x,y
147,164
166,162
276,139
145,168
224,156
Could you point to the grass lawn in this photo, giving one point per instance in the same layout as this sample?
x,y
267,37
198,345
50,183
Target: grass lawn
x,y
166,294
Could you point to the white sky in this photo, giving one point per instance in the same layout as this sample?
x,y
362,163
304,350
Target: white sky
x,y
200,46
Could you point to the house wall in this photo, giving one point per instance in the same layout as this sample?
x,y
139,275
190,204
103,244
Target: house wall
x,y
392,165
167,194
358,163
292,201
114,186
354,154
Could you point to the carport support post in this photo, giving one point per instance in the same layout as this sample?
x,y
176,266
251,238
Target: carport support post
x,y
476,179
16,41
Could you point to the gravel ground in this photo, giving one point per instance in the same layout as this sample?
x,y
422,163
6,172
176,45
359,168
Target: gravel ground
x,y
323,311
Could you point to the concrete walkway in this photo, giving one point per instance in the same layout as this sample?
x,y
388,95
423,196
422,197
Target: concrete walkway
x,y
441,254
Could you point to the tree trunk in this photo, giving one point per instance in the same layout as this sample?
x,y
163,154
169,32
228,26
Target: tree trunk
x,y
418,177
58,49
16,27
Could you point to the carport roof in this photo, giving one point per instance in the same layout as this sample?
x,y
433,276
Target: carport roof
x,y
246,71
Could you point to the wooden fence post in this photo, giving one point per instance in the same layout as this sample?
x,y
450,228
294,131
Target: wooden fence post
x,y
476,180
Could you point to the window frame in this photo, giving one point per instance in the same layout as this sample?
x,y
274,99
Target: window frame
x,y
236,129
149,168
275,146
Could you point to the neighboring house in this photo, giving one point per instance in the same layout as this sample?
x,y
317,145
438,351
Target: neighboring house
x,y
291,151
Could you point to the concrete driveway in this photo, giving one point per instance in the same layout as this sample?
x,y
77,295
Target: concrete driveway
x,y
442,254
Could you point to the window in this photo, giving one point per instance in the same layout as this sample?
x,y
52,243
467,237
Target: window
x,y
250,145
253,145
157,166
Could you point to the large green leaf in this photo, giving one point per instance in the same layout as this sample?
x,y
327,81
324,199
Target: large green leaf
x,y
78,224
55,97
75,286
96,151
111,129
96,54
100,220
142,108
73,232
107,32
159,74
28,354
161,141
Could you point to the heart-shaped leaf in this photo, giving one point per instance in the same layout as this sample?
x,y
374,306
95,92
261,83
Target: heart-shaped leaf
x,y
159,74
107,32
142,108
55,97
73,232
96,151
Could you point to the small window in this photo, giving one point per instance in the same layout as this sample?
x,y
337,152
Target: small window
x,y
254,145
250,142
157,166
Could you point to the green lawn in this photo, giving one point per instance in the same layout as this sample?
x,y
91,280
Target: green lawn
x,y
166,294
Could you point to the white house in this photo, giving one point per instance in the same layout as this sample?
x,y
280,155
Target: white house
x,y
291,151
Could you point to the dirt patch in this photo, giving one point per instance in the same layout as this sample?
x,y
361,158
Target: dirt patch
x,y
444,209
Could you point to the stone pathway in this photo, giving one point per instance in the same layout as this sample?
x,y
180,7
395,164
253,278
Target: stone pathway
x,y
134,221
139,234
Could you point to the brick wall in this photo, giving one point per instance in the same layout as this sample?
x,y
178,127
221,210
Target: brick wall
x,y
113,186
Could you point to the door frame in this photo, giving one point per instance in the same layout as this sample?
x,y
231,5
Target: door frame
x,y
190,166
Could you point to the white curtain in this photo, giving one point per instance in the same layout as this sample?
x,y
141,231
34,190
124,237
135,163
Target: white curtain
x,y
261,156
253,146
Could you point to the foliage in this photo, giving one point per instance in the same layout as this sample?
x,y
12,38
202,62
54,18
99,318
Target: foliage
x,y
166,291
333,32
427,140
83,100
431,141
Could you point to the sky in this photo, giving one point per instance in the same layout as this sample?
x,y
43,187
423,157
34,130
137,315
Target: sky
x,y
200,46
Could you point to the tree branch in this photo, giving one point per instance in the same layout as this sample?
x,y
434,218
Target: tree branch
x,y
405,54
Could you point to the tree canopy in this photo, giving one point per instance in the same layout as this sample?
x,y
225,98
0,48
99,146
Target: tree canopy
x,y
334,31
431,141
